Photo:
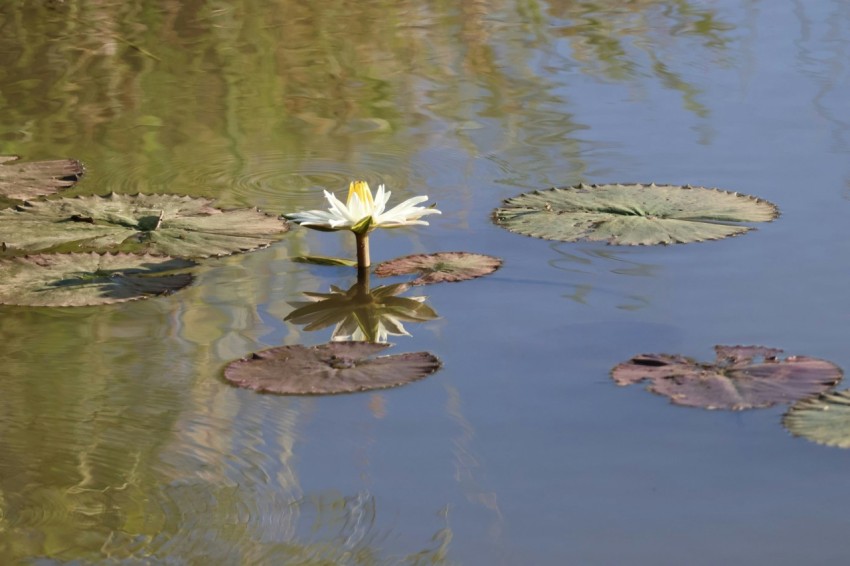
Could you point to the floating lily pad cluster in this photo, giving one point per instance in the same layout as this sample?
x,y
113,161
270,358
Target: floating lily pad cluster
x,y
620,214
94,250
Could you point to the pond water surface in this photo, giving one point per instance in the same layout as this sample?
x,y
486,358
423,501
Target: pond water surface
x,y
121,443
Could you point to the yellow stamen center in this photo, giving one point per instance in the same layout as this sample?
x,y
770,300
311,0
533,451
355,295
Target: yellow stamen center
x,y
361,189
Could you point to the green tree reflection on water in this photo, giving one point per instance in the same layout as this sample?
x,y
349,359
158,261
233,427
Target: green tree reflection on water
x,y
233,82
116,437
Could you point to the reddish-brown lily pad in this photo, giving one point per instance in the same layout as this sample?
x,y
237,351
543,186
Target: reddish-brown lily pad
x,y
26,180
440,267
742,377
335,367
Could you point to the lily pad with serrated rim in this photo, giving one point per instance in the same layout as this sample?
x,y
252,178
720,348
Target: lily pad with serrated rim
x,y
178,226
85,279
440,267
742,377
32,179
824,419
326,369
632,214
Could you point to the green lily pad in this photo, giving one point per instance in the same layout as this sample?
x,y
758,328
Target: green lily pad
x,y
440,267
72,280
335,367
742,377
325,260
632,215
824,419
173,225
27,180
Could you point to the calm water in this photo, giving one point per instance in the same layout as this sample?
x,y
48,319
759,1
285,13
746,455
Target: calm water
x,y
119,440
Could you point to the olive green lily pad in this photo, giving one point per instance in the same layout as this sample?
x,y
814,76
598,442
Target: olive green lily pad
x,y
335,367
27,180
72,280
173,225
742,377
632,215
325,260
440,267
824,419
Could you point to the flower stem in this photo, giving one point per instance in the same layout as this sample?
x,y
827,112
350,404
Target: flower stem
x,y
363,261
363,282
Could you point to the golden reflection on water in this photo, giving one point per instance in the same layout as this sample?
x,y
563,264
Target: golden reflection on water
x,y
361,313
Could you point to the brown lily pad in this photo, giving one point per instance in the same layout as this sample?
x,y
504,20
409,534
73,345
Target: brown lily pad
x,y
33,179
178,226
440,267
72,280
742,377
335,367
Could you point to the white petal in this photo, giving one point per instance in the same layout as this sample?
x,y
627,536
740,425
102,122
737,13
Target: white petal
x,y
338,208
393,326
381,199
311,217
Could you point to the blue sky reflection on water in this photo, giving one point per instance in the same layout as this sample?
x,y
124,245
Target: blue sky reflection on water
x,y
521,450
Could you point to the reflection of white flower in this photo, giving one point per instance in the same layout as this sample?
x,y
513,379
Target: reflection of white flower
x,y
361,314
385,327
380,323
360,206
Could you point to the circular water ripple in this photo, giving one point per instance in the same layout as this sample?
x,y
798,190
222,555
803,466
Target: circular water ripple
x,y
276,181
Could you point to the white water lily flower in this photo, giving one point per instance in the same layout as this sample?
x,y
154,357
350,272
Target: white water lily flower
x,y
359,207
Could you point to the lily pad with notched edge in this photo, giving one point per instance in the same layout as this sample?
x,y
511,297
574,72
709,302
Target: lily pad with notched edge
x,y
173,225
335,367
71,280
440,267
26,180
824,419
742,377
632,215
